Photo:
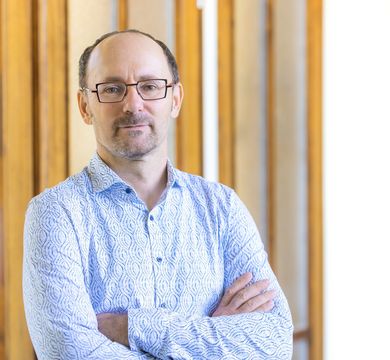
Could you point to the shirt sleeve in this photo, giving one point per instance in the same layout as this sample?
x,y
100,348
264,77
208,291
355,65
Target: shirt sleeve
x,y
59,313
258,335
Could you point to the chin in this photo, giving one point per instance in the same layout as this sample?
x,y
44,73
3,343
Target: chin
x,y
132,154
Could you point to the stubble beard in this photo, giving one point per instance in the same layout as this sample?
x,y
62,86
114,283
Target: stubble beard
x,y
128,146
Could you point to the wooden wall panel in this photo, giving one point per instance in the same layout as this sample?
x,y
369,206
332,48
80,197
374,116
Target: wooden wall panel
x,y
271,140
314,115
248,117
314,332
226,90
17,164
2,306
123,15
188,55
33,139
50,89
2,284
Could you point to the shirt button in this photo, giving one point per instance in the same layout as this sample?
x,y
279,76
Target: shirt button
x,y
151,217
159,259
128,190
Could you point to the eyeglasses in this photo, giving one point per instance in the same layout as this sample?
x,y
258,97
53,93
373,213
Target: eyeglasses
x,y
115,91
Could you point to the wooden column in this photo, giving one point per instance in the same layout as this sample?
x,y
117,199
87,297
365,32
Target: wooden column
x,y
271,140
50,91
123,15
2,285
16,159
33,141
314,116
188,55
226,89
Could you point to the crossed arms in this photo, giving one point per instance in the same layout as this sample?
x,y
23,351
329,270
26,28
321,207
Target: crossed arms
x,y
239,298
63,324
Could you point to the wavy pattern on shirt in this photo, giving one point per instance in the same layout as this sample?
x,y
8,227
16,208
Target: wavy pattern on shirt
x,y
92,246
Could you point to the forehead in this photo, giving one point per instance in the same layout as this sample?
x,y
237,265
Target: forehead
x,y
127,56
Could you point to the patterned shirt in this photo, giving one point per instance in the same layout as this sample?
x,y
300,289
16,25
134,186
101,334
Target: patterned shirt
x,y
91,246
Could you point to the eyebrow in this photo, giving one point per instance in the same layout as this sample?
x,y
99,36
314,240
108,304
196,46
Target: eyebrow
x,y
111,78
142,77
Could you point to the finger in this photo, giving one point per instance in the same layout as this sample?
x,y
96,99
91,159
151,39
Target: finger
x,y
237,285
257,302
248,292
268,306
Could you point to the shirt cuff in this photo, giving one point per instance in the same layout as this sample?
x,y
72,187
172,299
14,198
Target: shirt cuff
x,y
147,329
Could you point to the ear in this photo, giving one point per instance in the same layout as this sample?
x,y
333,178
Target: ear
x,y
85,111
177,99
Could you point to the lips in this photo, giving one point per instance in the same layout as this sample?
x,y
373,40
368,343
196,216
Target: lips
x,y
135,126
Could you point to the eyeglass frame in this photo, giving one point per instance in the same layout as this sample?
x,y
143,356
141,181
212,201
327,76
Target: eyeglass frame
x,y
127,85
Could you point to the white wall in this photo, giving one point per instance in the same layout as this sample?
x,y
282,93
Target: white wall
x,y
357,178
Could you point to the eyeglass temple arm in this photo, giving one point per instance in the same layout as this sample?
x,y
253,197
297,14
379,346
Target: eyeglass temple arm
x,y
87,89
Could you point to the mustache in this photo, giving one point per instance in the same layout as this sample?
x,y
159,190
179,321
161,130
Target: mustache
x,y
131,119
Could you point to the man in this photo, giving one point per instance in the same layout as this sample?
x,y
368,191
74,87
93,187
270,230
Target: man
x,y
133,259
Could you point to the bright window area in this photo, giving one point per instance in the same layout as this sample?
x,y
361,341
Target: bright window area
x,y
357,178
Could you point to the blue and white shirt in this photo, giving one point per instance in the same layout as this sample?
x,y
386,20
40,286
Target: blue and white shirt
x,y
91,246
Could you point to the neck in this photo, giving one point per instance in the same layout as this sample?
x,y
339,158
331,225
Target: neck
x,y
148,176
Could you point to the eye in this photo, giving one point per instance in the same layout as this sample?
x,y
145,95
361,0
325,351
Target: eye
x,y
111,89
150,86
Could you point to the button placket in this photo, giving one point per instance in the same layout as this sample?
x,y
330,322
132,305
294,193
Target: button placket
x,y
157,256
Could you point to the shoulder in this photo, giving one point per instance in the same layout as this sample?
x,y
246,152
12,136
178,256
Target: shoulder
x,y
201,187
216,197
193,182
65,194
52,215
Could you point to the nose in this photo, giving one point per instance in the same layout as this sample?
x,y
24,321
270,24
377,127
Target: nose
x,y
132,102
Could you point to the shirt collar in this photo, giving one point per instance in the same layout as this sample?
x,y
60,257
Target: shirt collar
x,y
102,176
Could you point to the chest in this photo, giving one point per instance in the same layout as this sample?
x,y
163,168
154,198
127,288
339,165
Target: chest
x,y
134,259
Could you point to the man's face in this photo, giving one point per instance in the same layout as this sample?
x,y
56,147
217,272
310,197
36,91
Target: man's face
x,y
134,127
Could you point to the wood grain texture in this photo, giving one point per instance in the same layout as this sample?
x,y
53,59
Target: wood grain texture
x,y
2,238
314,116
123,22
50,94
17,164
188,55
271,137
226,89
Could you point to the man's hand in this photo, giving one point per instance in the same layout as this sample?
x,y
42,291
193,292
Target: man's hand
x,y
114,326
240,298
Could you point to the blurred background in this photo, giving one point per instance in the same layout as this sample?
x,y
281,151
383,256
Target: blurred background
x,y
286,101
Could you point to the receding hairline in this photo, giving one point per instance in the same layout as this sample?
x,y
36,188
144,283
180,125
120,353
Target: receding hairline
x,y
130,33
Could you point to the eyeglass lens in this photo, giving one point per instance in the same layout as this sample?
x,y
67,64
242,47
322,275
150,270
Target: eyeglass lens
x,y
147,89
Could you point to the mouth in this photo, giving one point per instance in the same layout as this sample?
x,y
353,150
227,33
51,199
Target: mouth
x,y
134,127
